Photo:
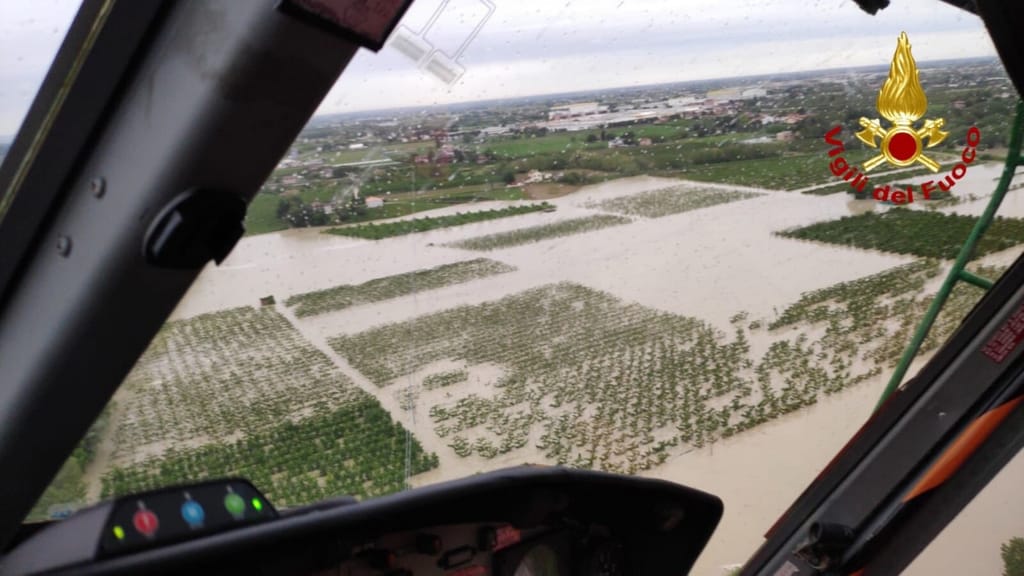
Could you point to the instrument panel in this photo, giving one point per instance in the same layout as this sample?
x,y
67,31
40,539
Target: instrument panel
x,y
487,550
161,517
525,521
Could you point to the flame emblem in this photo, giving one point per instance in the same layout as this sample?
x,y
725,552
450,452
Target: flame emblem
x,y
902,102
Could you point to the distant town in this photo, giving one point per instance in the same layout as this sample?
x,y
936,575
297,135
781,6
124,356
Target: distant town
x,y
367,166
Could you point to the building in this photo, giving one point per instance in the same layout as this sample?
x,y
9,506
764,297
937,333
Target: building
x,y
535,176
374,202
445,155
736,93
684,101
494,130
574,110
724,94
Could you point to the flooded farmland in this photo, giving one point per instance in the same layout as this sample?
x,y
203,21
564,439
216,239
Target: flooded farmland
x,y
640,238
710,264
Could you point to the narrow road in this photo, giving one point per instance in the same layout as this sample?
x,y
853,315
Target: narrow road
x,y
387,397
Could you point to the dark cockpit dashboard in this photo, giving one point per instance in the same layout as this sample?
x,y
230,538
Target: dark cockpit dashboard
x,y
517,522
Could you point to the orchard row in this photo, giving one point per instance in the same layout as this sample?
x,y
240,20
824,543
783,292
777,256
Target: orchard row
x,y
378,289
668,201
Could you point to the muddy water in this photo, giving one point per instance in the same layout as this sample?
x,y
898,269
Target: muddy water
x,y
760,472
979,182
709,263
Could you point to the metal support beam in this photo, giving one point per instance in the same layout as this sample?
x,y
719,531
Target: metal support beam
x,y
975,280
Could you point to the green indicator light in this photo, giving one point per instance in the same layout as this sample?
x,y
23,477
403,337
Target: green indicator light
x,y
256,504
118,532
234,504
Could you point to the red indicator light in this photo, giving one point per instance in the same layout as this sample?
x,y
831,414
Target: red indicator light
x,y
506,536
145,522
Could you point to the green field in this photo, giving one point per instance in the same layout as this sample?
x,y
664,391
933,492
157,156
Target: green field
x,y
261,216
409,188
262,213
229,392
539,233
379,289
574,141
905,231
558,142
448,181
873,317
668,201
781,173
426,223
353,450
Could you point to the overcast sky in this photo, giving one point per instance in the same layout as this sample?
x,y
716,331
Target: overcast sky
x,y
547,46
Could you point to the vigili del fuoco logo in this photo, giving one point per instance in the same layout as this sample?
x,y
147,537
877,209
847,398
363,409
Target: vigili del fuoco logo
x,y
902,102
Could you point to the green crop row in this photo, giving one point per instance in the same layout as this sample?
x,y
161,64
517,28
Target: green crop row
x,y
442,379
378,289
539,233
355,450
401,227
921,233
667,201
873,317
219,374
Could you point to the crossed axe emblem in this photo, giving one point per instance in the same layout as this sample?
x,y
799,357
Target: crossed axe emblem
x,y
898,138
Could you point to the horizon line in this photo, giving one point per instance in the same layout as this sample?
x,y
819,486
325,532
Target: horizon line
x,y
926,63
9,138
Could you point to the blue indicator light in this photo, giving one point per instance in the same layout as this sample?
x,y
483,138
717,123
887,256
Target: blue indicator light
x,y
192,512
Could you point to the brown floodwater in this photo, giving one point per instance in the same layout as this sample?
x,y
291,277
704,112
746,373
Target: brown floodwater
x,y
710,263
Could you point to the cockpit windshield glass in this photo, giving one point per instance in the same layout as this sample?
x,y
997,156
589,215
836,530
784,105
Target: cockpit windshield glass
x,y
686,240
30,33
